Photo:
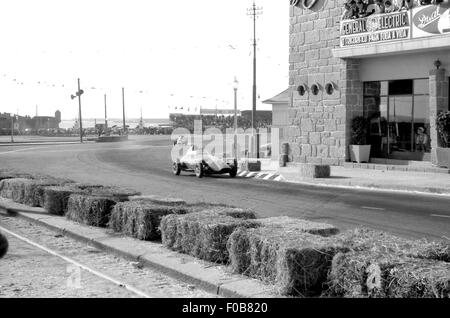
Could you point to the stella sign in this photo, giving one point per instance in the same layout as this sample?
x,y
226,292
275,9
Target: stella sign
x,y
431,20
306,4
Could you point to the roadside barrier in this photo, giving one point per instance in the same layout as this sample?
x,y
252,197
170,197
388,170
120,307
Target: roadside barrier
x,y
300,258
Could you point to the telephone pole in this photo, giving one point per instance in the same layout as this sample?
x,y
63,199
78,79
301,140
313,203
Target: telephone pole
x,y
254,12
79,93
106,116
123,104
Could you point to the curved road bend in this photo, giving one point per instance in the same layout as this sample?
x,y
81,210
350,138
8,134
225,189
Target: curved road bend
x,y
145,165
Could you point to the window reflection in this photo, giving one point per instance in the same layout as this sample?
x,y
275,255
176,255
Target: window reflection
x,y
398,112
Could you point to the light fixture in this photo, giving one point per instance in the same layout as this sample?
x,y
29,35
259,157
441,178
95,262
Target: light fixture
x,y
235,84
438,64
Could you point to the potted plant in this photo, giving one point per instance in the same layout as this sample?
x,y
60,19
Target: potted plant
x,y
359,149
443,129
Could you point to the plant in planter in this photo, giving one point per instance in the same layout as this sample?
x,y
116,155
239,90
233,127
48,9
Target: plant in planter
x,y
443,129
359,149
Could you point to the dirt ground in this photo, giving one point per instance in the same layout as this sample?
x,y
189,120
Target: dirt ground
x,y
27,271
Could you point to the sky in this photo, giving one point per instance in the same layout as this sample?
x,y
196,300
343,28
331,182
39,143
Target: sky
x,y
164,53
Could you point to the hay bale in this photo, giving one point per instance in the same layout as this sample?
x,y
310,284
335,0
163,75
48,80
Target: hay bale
x,y
240,213
114,193
56,198
294,261
373,273
418,279
363,272
6,174
202,234
360,274
141,219
26,191
367,239
296,224
309,170
156,199
89,210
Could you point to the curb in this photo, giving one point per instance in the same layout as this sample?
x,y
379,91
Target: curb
x,y
268,176
260,175
210,277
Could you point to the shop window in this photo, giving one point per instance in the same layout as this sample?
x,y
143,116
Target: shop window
x,y
402,87
372,88
399,116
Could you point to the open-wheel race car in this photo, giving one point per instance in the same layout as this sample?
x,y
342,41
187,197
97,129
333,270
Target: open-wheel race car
x,y
203,163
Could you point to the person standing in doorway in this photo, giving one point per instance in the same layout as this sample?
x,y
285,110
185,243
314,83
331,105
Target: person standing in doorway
x,y
421,140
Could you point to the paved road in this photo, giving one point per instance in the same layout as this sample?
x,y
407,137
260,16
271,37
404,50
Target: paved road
x,y
144,165
80,270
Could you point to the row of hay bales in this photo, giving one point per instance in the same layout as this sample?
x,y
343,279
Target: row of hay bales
x,y
90,204
310,259
297,257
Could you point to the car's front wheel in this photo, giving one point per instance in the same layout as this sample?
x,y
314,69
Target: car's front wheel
x,y
176,168
199,170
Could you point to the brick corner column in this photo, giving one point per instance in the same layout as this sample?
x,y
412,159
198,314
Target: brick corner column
x,y
438,81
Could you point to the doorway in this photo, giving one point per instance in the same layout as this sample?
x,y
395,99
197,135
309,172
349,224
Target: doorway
x,y
398,112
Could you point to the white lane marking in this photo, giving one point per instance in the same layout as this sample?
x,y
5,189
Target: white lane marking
x,y
270,175
21,150
93,271
373,208
440,215
251,174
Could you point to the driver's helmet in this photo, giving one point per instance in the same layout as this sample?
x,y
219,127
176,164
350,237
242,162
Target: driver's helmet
x,y
181,140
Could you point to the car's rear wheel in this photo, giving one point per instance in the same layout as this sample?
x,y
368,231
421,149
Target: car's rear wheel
x,y
233,172
176,168
199,170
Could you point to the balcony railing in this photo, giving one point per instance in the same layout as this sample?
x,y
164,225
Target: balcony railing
x,y
418,22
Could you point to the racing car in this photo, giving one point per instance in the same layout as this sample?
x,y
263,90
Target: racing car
x,y
203,163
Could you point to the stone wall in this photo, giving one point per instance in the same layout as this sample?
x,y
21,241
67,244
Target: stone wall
x,y
319,130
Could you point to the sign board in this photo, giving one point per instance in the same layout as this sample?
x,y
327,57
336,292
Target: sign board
x,y
378,28
431,20
204,111
16,126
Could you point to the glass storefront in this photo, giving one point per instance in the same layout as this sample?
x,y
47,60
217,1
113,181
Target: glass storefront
x,y
398,112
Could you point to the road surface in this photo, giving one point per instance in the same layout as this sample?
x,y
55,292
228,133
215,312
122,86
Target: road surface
x,y
144,164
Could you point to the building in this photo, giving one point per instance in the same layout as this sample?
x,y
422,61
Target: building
x,y
391,68
280,110
24,124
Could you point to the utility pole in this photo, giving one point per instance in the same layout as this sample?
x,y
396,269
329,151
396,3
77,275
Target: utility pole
x,y
79,111
254,11
79,93
12,128
235,88
123,104
106,116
